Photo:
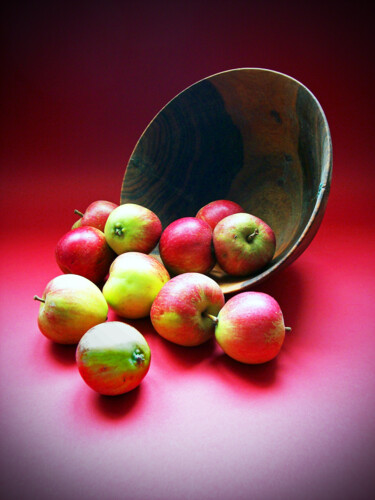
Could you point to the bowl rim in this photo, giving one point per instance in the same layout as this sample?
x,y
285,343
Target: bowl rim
x,y
321,199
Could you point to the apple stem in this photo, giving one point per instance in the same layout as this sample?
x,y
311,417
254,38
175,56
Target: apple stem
x,y
252,235
38,298
78,213
288,329
212,317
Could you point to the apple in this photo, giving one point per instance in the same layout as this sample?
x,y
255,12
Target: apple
x,y
243,244
113,358
84,251
215,211
70,305
250,328
134,281
96,214
132,228
186,246
183,309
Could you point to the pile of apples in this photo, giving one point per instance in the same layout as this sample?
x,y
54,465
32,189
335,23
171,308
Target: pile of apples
x,y
106,262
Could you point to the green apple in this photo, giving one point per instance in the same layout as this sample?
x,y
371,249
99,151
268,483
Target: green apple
x,y
70,306
134,281
132,228
113,358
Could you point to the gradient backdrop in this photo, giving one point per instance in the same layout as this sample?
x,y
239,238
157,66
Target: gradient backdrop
x,y
80,82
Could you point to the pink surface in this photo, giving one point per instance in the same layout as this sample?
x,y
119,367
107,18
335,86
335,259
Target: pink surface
x,y
78,91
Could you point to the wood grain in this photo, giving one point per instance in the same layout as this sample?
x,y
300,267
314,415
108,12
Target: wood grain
x,y
254,136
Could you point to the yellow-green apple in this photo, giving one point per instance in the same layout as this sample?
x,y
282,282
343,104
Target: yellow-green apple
x,y
113,358
243,244
132,228
186,246
95,215
85,251
183,309
250,327
215,211
70,305
134,281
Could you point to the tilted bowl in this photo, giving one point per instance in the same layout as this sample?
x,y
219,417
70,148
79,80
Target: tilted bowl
x,y
253,136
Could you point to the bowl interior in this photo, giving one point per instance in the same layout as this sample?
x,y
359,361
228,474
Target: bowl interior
x,y
253,136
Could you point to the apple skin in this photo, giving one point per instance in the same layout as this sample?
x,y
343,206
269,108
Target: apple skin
x,y
250,328
186,246
132,228
235,254
72,305
215,211
95,215
85,251
178,312
134,281
113,358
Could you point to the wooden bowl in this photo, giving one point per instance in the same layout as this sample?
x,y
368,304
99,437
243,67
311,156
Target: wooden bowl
x,y
254,136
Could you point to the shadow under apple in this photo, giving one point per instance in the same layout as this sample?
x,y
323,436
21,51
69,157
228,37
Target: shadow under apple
x,y
243,376
116,407
165,351
182,357
142,324
64,354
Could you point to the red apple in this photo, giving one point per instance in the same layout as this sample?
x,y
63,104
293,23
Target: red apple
x,y
70,306
250,328
215,211
186,246
183,309
243,244
113,358
96,214
132,228
84,251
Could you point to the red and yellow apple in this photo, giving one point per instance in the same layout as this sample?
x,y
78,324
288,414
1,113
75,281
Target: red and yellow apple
x,y
132,228
134,281
70,305
216,210
243,244
113,358
186,246
85,251
183,309
95,215
250,328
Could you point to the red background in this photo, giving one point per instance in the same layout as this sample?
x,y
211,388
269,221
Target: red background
x,y
80,82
